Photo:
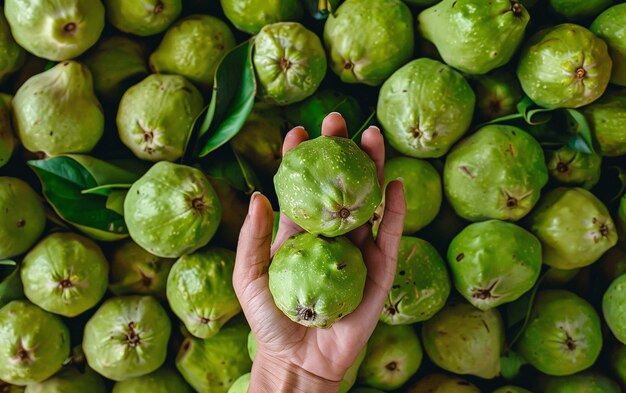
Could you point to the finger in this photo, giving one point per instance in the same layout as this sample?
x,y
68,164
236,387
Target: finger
x,y
286,229
334,125
390,230
373,144
361,235
293,138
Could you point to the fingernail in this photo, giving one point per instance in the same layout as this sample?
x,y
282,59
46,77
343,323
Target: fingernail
x,y
401,180
335,113
298,128
252,200
375,128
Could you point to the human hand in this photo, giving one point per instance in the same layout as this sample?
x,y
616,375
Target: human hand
x,y
291,357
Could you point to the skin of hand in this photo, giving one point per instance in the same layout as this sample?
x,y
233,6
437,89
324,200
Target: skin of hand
x,y
291,357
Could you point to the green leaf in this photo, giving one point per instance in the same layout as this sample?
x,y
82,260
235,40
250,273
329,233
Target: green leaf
x,y
106,189
232,100
532,114
103,172
224,164
510,364
357,135
577,125
115,201
10,282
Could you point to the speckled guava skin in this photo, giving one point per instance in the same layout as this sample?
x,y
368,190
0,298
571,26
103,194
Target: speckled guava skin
x,y
497,172
574,227
13,55
563,335
57,111
200,291
497,94
193,48
611,27
579,9
33,343
240,385
156,115
289,61
349,378
511,389
316,280
614,307
475,36
144,18
564,66
127,337
55,30
606,118
465,340
22,217
494,262
214,364
328,186
163,380
570,167
421,285
65,274
586,382
425,107
443,383
172,210
7,139
251,15
70,380
393,355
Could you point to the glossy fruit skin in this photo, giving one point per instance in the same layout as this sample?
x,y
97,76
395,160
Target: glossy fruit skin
x,y
251,15
349,378
241,384
579,9
571,167
145,18
614,308
611,27
563,335
70,380
163,380
606,118
13,56
443,383
587,382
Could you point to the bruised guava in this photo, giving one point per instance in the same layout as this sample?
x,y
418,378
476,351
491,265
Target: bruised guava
x,y
55,30
606,118
421,285
564,66
475,36
127,337
136,271
497,94
316,280
614,308
611,27
33,343
143,18
57,111
290,62
251,15
494,262
172,210
574,227
576,168
193,48
213,365
497,172
200,291
587,382
163,380
13,56
563,335
328,186
393,355
22,217
579,9
367,40
65,274
70,380
241,385
349,378
7,139
420,178
156,115
465,340
425,107
511,389
443,383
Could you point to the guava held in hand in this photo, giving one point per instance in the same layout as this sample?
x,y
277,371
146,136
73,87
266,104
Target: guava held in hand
x,y
317,280
328,186
172,210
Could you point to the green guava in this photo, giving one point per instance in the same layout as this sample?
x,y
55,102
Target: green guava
x,y
494,262
7,139
116,63
70,380
465,340
143,18
33,343
251,15
443,383
579,9
557,278
55,30
497,94
290,62
393,355
213,365
316,280
65,274
574,227
618,362
475,36
606,118
163,380
127,337
564,66
421,285
587,382
234,211
57,111
511,389
563,335
444,228
240,385
614,308
621,219
22,217
367,40
251,344
349,378
425,107
328,186
497,172
156,115
172,210
420,178
611,27
193,48
13,56
570,167
260,142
